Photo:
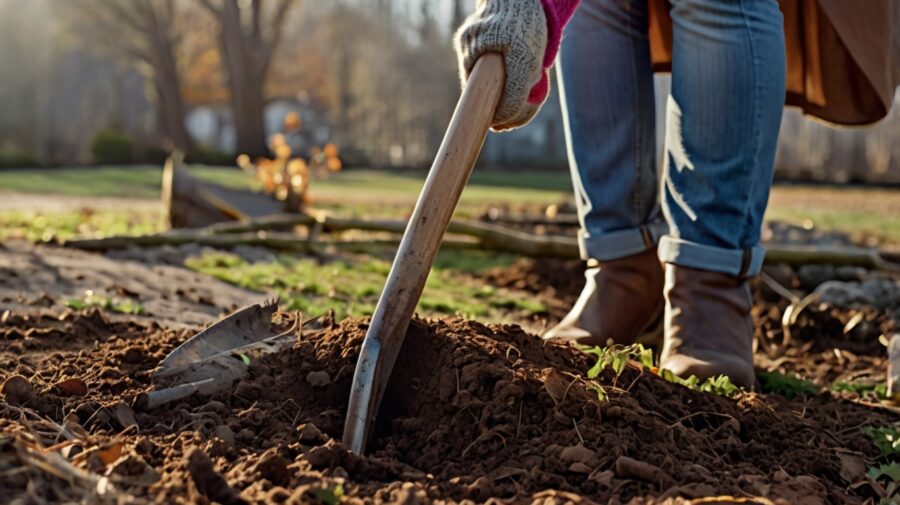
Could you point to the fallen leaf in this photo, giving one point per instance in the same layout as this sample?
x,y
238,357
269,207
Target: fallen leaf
x,y
104,455
555,384
123,414
72,387
853,467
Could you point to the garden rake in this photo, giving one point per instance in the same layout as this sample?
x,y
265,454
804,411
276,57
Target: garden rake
x,y
448,176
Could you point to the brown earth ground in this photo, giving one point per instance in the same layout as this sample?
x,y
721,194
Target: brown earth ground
x,y
474,413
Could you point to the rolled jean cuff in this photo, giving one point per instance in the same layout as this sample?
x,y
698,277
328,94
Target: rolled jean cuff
x,y
617,244
737,262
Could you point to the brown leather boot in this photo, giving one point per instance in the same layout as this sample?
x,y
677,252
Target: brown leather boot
x,y
621,302
708,329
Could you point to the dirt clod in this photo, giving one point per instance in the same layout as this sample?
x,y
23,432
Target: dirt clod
x,y
210,483
318,378
17,390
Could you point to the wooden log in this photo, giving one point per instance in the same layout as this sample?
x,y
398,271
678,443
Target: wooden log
x,y
487,237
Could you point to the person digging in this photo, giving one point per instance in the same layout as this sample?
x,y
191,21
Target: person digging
x,y
678,255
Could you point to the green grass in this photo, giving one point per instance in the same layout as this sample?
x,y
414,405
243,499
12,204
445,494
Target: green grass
x,y
862,212
91,299
127,181
860,224
353,192
42,226
351,286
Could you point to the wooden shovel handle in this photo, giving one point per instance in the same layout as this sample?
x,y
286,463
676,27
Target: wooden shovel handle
x,y
448,176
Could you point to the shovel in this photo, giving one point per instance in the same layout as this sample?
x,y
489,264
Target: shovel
x,y
421,241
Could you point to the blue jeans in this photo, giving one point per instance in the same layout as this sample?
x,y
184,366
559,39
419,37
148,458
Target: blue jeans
x,y
722,121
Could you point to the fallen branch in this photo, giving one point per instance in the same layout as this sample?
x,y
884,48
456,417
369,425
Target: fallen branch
x,y
275,241
486,237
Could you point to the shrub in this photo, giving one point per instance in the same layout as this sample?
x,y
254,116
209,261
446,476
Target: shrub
x,y
111,147
11,157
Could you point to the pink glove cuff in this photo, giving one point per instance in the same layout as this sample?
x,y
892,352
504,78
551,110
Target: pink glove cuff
x,y
558,13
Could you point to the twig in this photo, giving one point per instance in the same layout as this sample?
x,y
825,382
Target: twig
x,y
483,236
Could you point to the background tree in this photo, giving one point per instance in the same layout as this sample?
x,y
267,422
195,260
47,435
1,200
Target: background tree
x,y
145,32
249,33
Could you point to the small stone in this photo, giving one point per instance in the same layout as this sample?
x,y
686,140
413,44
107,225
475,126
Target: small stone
x,y
273,467
133,355
580,468
479,490
579,454
781,476
321,457
309,432
318,378
246,436
214,406
17,390
225,434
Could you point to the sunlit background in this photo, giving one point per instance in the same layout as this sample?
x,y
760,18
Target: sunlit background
x,y
109,81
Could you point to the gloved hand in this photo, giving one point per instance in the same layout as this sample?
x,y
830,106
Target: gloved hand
x,y
527,33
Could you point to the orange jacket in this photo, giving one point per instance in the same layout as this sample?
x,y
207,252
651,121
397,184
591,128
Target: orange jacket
x,y
843,56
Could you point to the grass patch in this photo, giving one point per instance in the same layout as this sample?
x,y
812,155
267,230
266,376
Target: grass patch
x,y
788,385
42,226
91,299
125,181
352,287
863,389
861,212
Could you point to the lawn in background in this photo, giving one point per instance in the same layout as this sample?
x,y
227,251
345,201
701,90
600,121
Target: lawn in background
x,y
871,212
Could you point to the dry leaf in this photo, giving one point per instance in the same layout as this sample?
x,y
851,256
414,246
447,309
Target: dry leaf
x,y
72,387
105,455
123,414
853,467
556,385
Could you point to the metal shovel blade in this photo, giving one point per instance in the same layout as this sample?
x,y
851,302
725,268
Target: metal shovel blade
x,y
421,240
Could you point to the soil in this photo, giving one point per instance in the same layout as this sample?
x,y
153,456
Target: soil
x,y
473,413
47,277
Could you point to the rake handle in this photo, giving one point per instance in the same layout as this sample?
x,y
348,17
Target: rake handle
x,y
448,176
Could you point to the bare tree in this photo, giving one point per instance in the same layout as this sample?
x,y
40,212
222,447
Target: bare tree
x,y
249,34
143,30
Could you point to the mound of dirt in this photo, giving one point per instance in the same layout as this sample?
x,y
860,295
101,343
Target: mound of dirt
x,y
557,282
472,412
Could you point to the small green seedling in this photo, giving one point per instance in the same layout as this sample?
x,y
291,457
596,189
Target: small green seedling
x,y
616,357
888,470
330,496
788,385
719,385
864,389
887,439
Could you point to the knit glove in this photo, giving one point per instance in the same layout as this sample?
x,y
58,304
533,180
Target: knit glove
x,y
517,29
527,33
